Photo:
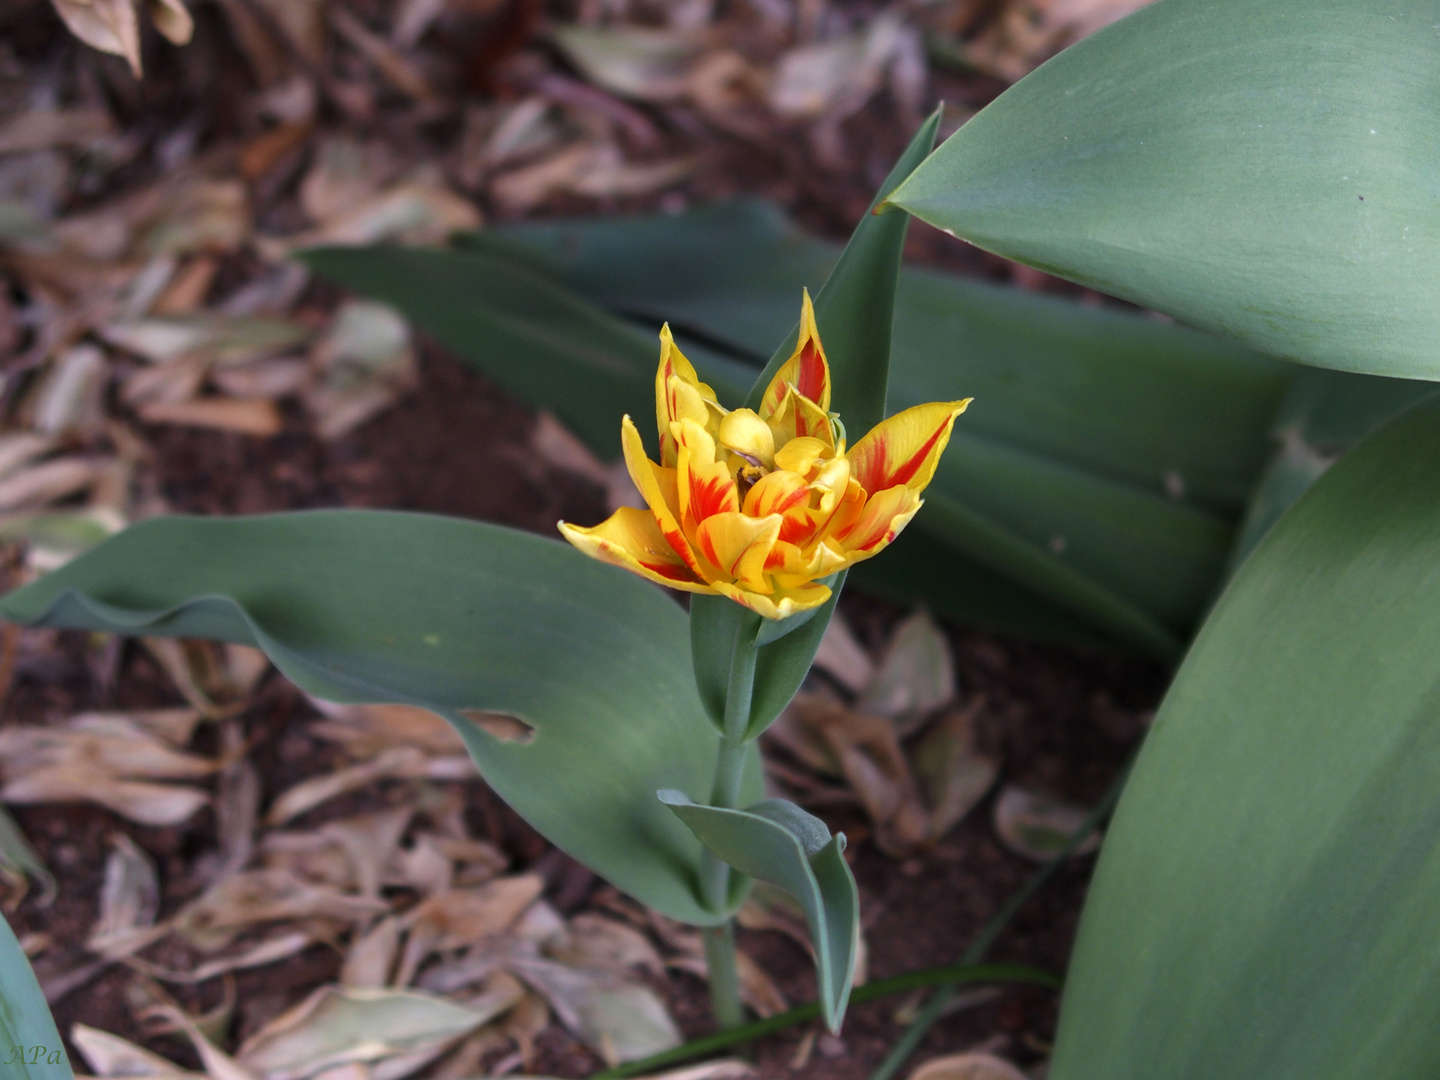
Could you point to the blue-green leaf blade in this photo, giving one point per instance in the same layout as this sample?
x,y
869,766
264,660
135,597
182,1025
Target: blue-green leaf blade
x,y
778,842
26,1025
1263,170
1264,904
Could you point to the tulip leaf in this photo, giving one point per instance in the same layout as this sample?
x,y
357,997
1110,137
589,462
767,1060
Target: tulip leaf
x,y
1265,902
30,1046
778,842
1262,170
368,606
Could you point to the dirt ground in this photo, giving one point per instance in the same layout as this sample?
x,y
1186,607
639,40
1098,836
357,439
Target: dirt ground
x,y
1061,721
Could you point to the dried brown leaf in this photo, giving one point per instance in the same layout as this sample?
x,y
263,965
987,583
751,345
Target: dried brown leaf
x,y
111,1056
147,804
399,762
953,773
111,26
40,129
843,657
245,416
970,1066
462,917
1037,825
371,958
129,898
269,895
915,676
336,1026
367,730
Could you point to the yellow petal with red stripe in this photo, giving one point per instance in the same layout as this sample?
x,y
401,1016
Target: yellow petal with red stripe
x,y
737,545
704,486
884,515
797,416
679,395
807,370
657,486
631,538
780,604
905,448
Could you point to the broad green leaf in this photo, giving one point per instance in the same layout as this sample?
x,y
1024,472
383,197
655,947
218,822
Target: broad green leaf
x,y
1264,906
1265,170
450,615
27,1030
1132,442
777,842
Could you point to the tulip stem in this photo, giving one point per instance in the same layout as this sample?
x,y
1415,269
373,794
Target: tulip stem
x,y
720,960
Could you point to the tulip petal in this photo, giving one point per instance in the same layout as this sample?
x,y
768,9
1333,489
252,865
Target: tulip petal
x,y
657,486
797,416
704,485
807,369
679,395
782,603
631,538
799,455
905,448
743,432
791,565
885,514
737,545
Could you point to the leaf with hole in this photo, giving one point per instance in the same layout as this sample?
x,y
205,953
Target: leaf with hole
x,y
449,615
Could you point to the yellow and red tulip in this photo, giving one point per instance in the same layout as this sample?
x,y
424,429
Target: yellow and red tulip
x,y
758,506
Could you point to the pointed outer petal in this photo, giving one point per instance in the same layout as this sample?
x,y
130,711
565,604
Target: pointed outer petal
x,y
745,433
630,538
782,603
797,416
799,455
658,488
807,370
673,377
739,545
884,516
704,486
906,447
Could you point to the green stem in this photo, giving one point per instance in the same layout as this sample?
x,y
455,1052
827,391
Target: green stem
x,y
715,874
952,975
723,975
942,997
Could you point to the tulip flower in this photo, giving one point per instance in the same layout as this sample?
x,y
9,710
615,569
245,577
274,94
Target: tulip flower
x,y
759,506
